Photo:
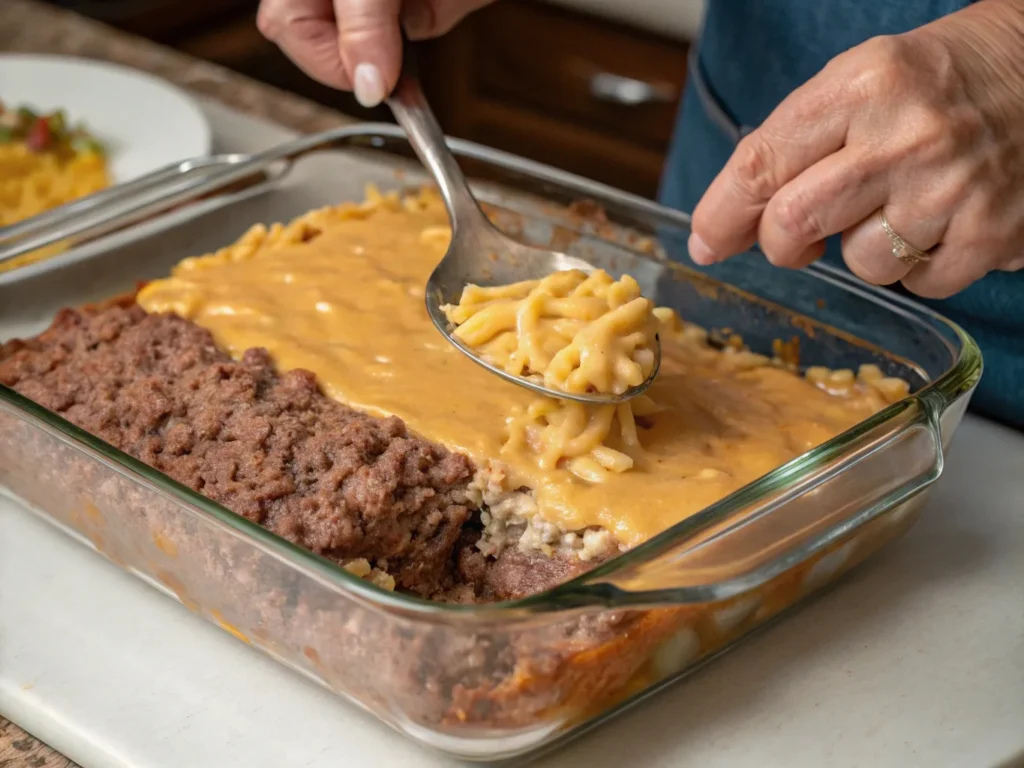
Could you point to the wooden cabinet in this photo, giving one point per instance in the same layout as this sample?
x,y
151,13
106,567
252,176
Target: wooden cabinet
x,y
576,92
561,87
238,45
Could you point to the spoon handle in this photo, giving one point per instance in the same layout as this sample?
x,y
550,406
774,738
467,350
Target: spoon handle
x,y
410,107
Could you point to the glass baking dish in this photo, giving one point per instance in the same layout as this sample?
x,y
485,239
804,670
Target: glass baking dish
x,y
491,681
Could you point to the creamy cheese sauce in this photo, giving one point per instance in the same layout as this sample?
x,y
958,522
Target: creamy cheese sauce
x,y
340,292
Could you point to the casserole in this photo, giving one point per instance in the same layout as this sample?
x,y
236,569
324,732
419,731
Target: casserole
x,y
497,680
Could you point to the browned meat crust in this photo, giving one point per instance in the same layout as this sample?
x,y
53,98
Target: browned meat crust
x,y
269,447
272,448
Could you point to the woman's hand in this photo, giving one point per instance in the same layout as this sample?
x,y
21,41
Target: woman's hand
x,y
356,45
927,127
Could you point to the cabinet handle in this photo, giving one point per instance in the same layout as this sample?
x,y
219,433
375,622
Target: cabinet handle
x,y
616,89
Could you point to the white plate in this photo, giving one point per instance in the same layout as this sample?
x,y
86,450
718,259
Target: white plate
x,y
145,122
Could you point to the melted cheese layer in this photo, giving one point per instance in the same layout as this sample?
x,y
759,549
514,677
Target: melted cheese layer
x,y
340,292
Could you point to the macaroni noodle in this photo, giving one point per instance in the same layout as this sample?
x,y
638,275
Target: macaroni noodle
x,y
574,333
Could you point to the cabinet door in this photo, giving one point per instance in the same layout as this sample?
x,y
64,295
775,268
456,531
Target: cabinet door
x,y
580,93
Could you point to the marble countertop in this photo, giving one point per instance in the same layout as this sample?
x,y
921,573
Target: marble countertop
x,y
30,27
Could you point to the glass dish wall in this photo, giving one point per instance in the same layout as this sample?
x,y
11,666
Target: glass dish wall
x,y
488,682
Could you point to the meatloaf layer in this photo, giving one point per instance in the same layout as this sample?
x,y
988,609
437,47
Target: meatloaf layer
x,y
269,447
350,486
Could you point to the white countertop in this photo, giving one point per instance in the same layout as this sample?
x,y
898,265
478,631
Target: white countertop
x,y
915,659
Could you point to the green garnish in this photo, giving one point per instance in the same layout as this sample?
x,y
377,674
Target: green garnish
x,y
58,122
82,143
26,116
46,133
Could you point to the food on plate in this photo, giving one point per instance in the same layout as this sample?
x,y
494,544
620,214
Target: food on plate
x,y
44,162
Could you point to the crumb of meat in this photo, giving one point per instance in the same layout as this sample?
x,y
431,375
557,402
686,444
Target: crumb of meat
x,y
511,574
269,447
510,516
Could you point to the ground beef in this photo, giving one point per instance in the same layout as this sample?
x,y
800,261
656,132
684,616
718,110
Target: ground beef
x,y
511,575
269,447
272,448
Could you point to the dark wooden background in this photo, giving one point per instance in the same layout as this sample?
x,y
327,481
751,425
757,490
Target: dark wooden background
x,y
519,75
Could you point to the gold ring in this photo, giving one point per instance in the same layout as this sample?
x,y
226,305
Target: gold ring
x,y
901,249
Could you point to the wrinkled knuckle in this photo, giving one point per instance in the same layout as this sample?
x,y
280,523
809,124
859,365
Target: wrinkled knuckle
x,y
930,134
755,163
357,36
361,24
798,220
869,164
895,53
888,67
945,199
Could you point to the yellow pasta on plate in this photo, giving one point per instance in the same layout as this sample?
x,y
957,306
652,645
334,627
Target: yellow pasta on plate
x,y
44,163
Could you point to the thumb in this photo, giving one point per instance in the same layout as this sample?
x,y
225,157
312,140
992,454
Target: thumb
x,y
370,42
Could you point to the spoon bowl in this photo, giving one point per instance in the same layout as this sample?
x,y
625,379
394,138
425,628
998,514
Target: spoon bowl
x,y
479,253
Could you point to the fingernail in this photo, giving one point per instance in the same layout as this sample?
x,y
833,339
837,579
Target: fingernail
x,y
699,250
417,20
368,85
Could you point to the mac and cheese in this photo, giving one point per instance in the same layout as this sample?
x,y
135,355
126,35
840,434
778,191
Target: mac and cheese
x,y
340,291
572,332
44,164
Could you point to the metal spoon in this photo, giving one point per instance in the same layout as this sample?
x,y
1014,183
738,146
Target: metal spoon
x,y
478,254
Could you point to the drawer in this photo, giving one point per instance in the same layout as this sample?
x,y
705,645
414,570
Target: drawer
x,y
567,146
477,97
162,20
597,74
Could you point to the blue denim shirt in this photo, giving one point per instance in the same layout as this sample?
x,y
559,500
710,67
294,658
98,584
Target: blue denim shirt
x,y
751,56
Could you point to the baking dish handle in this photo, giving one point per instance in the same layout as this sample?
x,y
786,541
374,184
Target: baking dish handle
x,y
742,543
124,205
112,205
169,188
226,176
